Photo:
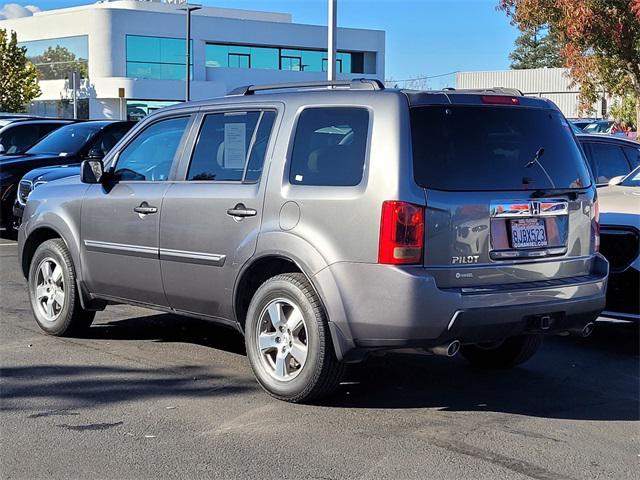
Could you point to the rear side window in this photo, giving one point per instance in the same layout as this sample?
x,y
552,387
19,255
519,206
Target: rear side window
x,y
330,146
633,154
494,148
608,161
230,143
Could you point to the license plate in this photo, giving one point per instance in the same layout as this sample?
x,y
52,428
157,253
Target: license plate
x,y
528,233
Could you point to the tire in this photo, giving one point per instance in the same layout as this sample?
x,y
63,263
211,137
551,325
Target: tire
x,y
509,353
274,353
57,291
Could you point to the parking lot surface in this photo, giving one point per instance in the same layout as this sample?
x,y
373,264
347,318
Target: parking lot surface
x,y
152,395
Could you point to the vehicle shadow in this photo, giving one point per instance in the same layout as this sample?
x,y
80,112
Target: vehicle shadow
x,y
581,379
597,378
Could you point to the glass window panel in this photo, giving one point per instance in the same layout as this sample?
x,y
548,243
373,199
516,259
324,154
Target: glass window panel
x,y
150,155
265,58
55,58
172,50
143,49
330,147
259,150
222,146
216,55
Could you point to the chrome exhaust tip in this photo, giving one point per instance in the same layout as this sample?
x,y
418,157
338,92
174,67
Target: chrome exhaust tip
x,y
447,350
587,330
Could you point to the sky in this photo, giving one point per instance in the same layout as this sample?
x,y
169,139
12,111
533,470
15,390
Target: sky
x,y
423,37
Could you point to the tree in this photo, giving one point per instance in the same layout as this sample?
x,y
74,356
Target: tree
x,y
600,41
58,62
18,76
536,49
625,110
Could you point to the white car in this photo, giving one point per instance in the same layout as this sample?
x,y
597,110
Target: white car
x,y
620,243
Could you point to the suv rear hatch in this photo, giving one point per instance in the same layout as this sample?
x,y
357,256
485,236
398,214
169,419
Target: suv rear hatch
x,y
508,193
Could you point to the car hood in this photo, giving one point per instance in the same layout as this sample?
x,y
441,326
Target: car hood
x,y
49,174
619,205
22,160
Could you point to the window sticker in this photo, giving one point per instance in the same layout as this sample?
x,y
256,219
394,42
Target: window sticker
x,y
235,147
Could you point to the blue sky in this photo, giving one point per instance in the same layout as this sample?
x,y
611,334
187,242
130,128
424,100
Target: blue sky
x,y
424,37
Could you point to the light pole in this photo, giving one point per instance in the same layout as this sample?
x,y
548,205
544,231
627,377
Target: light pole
x,y
332,31
189,8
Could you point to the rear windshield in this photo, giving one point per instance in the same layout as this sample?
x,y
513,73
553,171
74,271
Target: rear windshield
x,y
495,148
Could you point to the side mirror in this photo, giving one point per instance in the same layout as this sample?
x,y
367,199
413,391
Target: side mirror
x,y
616,180
95,153
91,171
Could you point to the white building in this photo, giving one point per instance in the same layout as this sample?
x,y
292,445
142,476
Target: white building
x,y
132,54
552,83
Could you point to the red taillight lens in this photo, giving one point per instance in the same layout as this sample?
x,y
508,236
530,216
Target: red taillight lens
x,y
401,233
500,100
596,226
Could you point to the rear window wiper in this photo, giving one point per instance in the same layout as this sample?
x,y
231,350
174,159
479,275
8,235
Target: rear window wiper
x,y
536,160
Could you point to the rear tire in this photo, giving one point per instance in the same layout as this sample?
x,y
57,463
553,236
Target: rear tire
x,y
53,292
509,353
288,341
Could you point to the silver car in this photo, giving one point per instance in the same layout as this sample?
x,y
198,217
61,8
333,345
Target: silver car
x,y
325,221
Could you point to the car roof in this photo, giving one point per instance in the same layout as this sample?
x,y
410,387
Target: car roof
x,y
357,89
606,138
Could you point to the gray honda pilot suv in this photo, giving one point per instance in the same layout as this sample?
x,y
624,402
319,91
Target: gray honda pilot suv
x,y
326,221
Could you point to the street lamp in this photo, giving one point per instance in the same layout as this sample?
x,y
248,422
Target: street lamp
x,y
189,8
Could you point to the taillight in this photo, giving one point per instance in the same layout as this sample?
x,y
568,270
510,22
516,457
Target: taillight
x,y
401,233
500,100
596,226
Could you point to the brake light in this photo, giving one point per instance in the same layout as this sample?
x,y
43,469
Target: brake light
x,y
401,233
596,226
500,100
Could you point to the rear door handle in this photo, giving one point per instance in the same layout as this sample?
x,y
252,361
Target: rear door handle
x,y
240,211
145,209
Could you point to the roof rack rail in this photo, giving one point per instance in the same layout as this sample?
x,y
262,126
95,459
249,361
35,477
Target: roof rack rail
x,y
502,90
354,84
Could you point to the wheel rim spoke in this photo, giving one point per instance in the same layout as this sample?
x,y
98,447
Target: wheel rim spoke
x,y
58,298
41,292
299,352
46,271
49,307
295,320
281,365
275,314
267,341
56,274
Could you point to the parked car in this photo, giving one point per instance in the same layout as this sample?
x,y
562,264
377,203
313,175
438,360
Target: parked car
x,y
580,123
18,136
609,156
327,223
599,126
620,243
68,144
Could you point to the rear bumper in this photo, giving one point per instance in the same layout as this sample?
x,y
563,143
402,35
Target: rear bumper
x,y
392,307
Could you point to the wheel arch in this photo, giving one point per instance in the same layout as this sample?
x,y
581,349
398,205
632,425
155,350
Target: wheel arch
x,y
269,264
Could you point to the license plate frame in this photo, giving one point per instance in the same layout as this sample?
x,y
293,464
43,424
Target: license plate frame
x,y
528,233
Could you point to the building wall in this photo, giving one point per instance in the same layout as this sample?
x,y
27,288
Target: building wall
x,y
108,24
552,83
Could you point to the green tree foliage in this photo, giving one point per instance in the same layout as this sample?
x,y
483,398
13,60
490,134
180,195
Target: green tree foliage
x,y
600,41
625,111
535,48
58,62
18,76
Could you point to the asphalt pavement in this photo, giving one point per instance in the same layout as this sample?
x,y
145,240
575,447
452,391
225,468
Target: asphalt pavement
x,y
148,395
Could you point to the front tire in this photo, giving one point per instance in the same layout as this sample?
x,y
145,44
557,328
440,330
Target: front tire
x,y
53,292
507,354
288,341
